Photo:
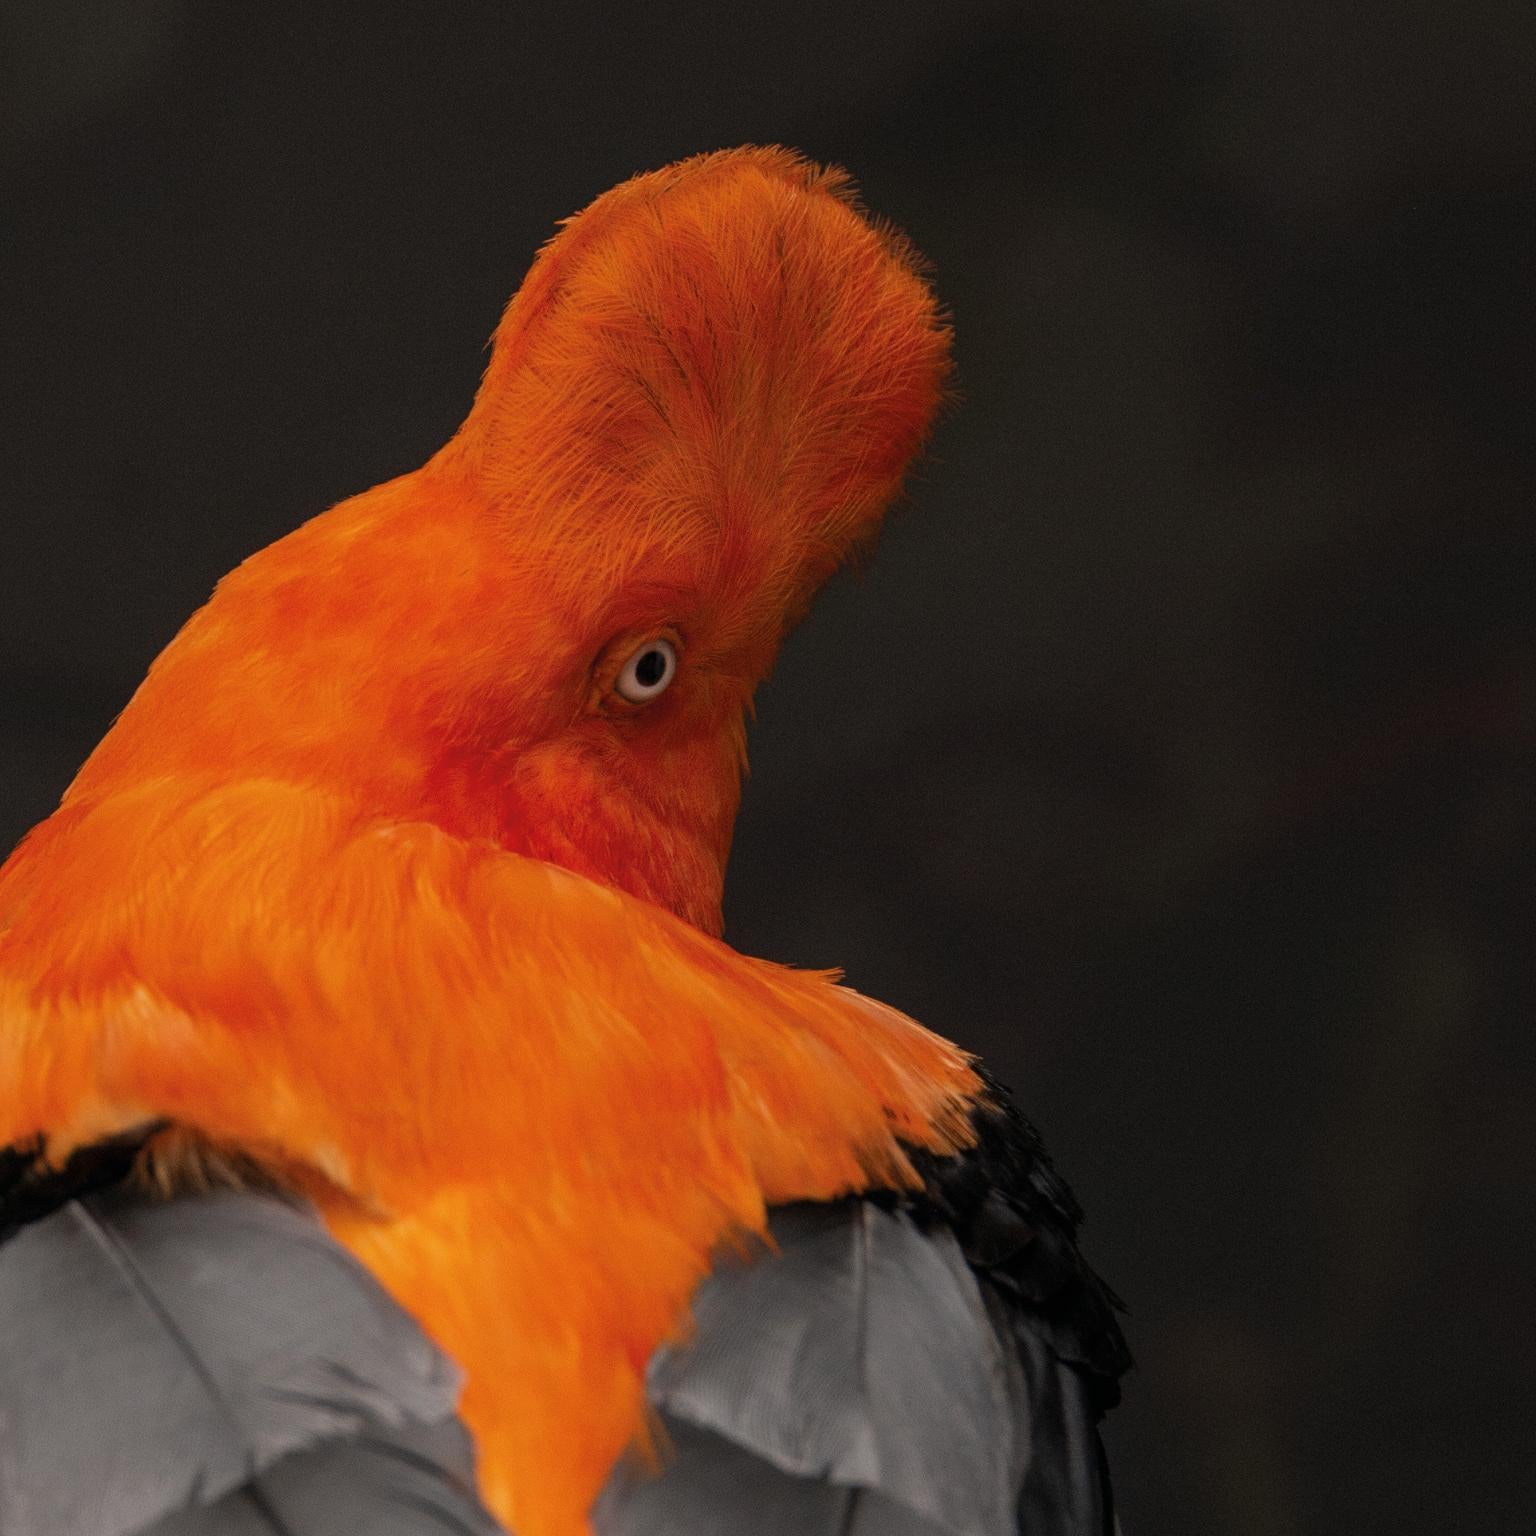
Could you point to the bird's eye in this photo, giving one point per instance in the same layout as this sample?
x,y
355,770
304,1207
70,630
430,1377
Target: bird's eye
x,y
648,673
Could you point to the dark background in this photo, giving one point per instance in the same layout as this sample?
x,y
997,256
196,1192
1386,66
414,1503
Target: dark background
x,y
1176,750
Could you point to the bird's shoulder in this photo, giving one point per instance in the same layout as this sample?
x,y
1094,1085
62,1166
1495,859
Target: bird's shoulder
x,y
1017,1223
285,937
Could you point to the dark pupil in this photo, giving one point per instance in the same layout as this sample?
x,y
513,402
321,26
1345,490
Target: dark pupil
x,y
651,668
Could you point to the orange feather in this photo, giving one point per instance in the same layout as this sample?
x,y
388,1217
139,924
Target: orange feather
x,y
376,881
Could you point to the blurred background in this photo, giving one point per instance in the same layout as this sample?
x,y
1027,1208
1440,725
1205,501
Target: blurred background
x,y
1176,751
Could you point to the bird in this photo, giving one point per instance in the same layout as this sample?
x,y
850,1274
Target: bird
x,y
391,1139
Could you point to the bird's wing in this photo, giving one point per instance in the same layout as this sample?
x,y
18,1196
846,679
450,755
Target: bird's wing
x,y
216,1366
853,1381
929,1364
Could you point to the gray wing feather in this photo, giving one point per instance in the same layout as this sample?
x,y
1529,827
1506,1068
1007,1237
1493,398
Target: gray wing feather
x,y
856,1380
205,1359
403,1482
714,1486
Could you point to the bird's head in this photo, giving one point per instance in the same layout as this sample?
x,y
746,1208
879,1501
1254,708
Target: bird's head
x,y
704,395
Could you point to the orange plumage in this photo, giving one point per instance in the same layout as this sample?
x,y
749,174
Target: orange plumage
x,y
378,882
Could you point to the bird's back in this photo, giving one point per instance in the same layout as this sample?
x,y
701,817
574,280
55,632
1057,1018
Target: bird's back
x,y
930,1362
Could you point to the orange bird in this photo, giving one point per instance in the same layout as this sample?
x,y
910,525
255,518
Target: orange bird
x,y
385,922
